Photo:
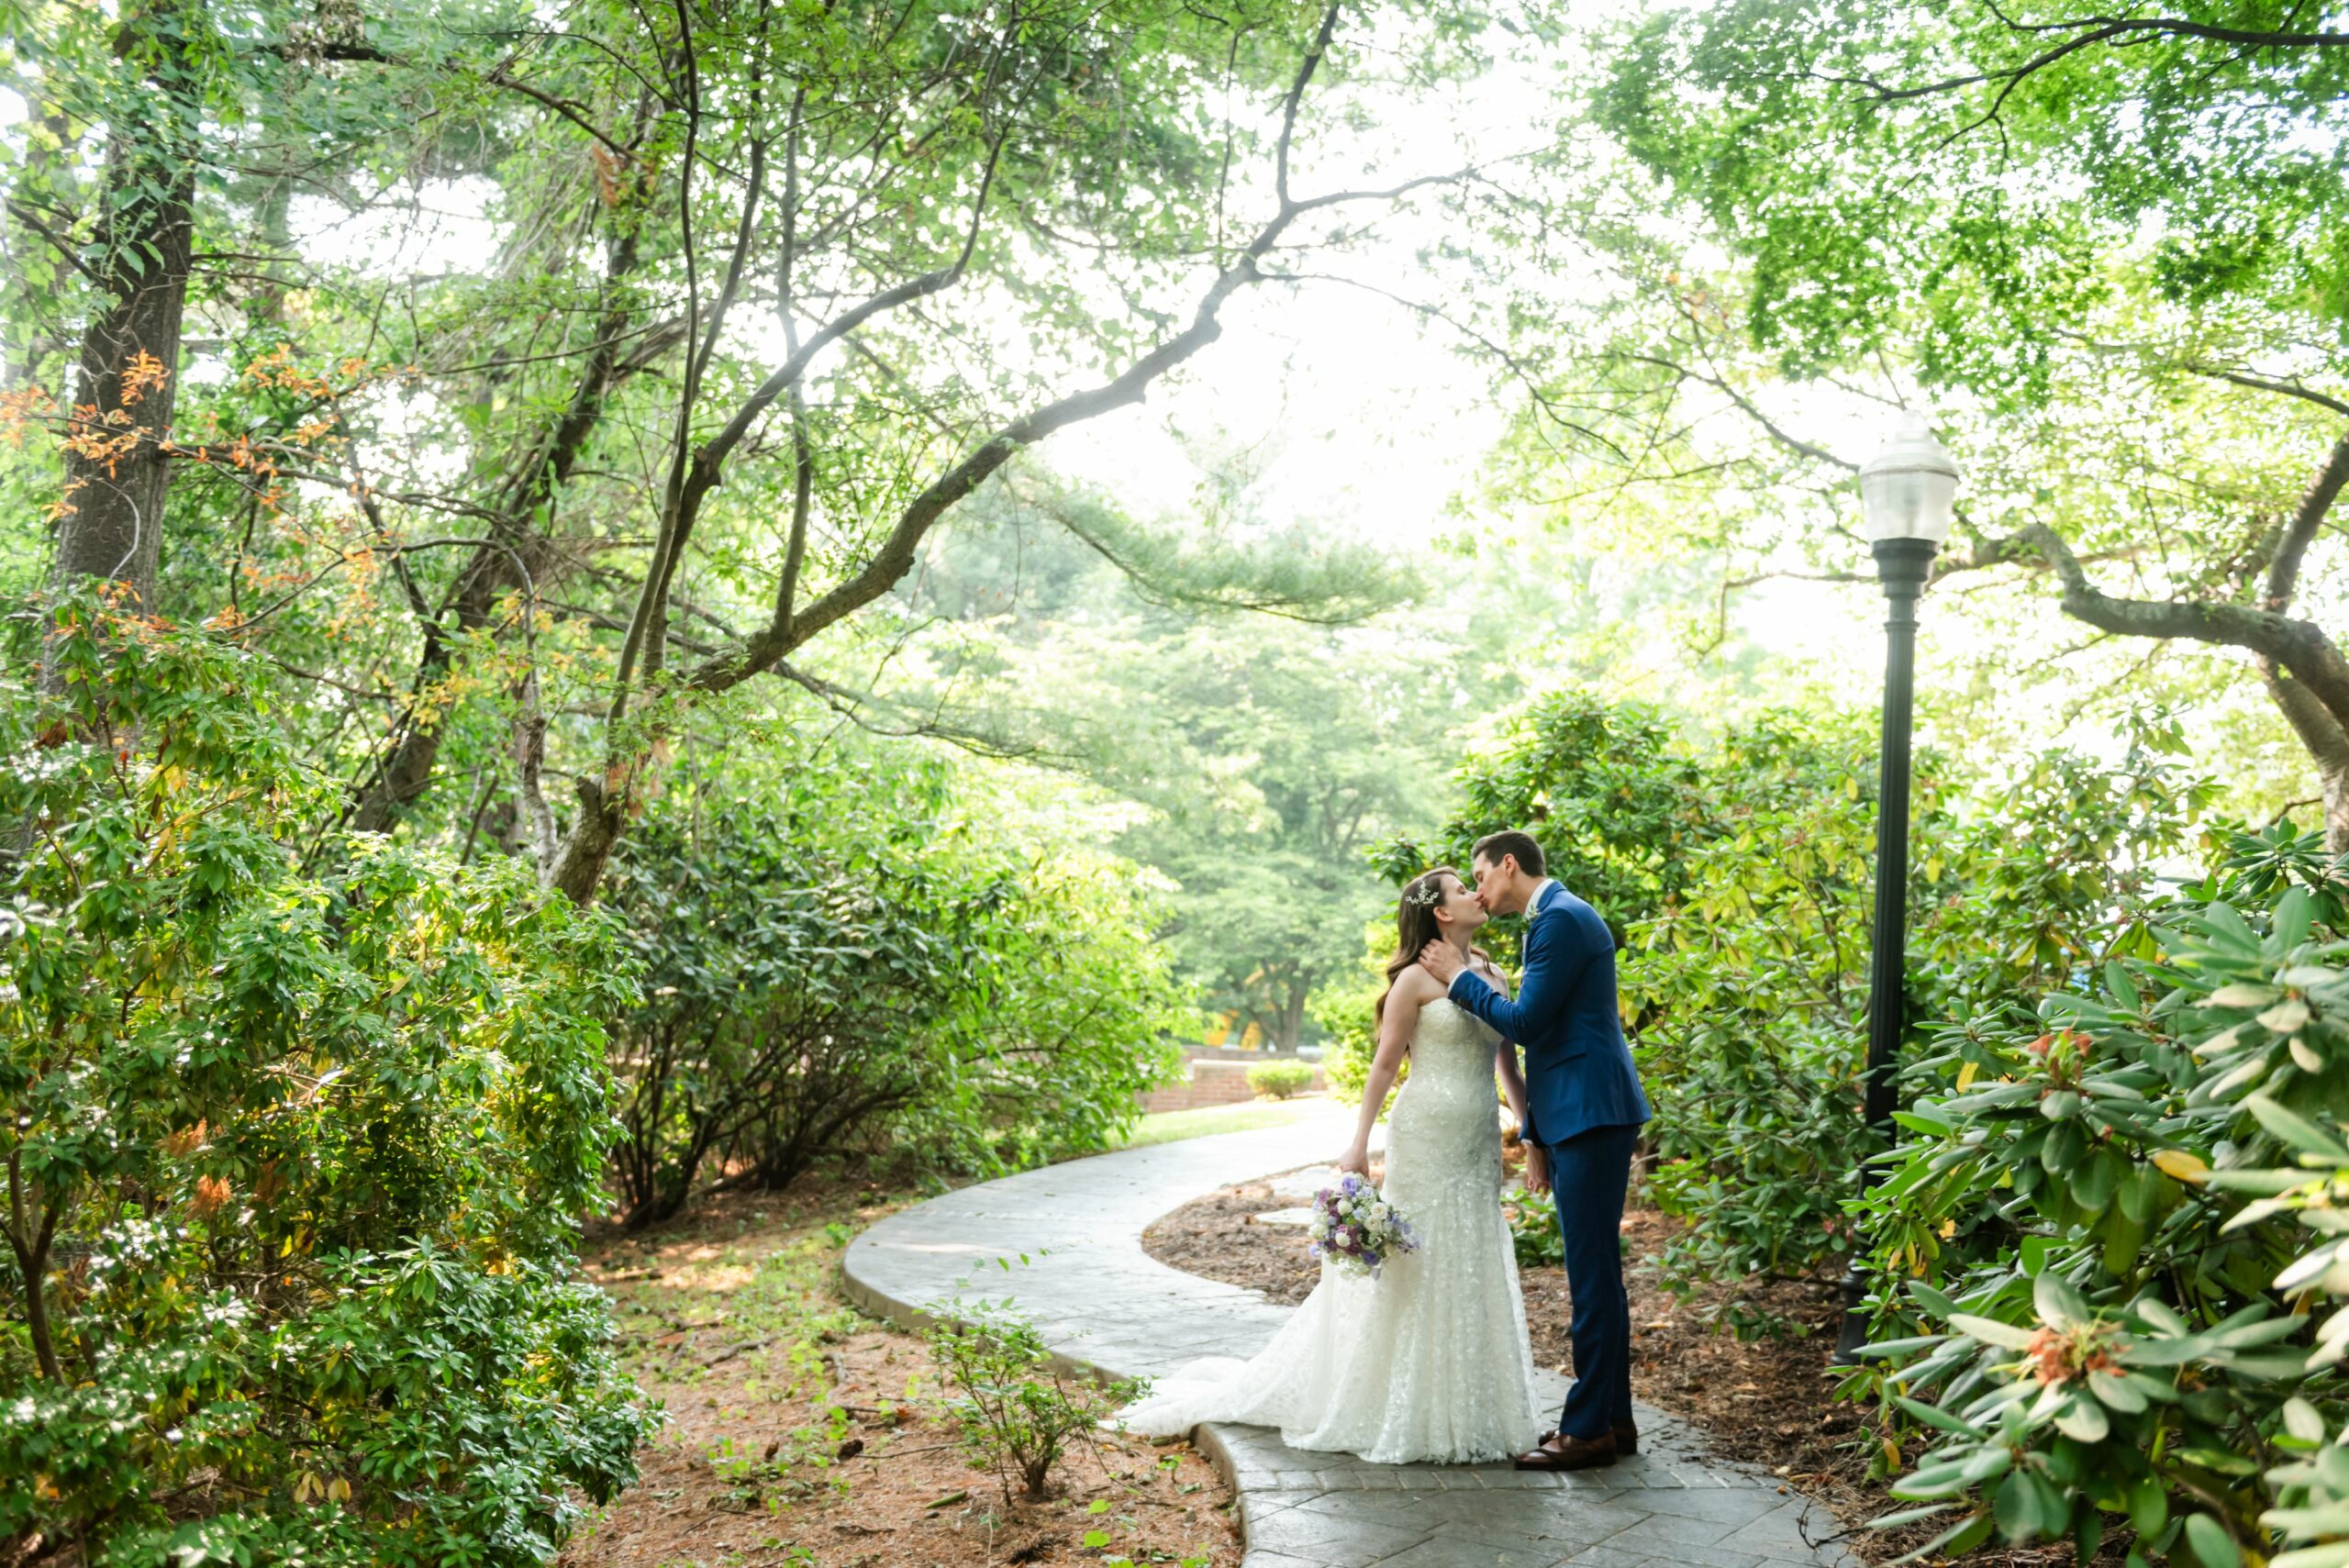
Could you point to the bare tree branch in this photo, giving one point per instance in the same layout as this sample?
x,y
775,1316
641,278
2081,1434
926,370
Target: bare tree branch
x,y
2299,647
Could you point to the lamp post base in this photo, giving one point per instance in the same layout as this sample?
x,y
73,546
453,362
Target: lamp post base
x,y
1851,1337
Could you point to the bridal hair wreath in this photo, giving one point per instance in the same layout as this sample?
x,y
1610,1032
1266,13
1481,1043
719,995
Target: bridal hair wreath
x,y
1416,925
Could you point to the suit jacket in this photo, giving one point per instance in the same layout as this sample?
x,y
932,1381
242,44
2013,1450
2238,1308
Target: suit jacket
x,y
1578,1072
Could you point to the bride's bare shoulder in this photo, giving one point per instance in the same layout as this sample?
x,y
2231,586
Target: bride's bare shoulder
x,y
1417,986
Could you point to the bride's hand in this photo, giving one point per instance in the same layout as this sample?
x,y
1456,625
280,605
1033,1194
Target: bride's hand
x,y
1537,1169
1356,1159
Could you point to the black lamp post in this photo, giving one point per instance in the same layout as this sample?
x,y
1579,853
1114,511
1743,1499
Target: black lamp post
x,y
1906,492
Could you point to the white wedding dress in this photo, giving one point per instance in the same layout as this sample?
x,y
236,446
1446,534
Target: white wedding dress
x,y
1429,1362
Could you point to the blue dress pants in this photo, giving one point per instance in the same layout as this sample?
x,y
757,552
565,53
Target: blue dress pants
x,y
1588,1175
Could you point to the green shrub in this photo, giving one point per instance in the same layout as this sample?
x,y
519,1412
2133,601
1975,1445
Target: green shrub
x,y
1018,1410
294,1154
1279,1080
848,960
1343,1010
1742,875
2115,1219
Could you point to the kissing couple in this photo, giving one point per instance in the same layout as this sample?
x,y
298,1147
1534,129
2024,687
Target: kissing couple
x,y
1428,1360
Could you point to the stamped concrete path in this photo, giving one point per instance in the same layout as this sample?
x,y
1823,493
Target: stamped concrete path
x,y
1101,1303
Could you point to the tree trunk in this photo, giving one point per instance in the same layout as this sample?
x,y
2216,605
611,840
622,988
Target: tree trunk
x,y
515,551
586,850
2326,736
117,471
2335,784
1292,1022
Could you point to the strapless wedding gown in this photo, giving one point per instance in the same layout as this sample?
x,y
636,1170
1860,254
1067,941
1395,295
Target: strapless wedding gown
x,y
1429,1362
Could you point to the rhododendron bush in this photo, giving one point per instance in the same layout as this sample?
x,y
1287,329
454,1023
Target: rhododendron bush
x,y
2115,1232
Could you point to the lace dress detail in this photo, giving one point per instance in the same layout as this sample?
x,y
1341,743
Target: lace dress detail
x,y
1429,1362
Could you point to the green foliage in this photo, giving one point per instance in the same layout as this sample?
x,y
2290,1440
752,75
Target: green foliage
x,y
1269,757
1744,870
1748,989
849,961
1533,1227
1604,789
2099,252
294,1154
1279,1080
1017,1409
1957,178
1262,753
1342,1008
2107,1326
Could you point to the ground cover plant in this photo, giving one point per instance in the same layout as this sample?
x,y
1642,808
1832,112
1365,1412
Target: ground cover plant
x,y
1018,1411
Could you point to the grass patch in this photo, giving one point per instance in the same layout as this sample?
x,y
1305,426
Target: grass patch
x,y
1171,1127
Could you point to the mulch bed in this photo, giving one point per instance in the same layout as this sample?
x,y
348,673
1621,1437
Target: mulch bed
x,y
734,1320
1762,1401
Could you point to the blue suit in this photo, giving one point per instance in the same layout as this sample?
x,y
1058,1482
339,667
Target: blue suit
x,y
1584,1107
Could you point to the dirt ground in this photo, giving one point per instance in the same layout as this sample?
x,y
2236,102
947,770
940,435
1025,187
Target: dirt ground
x,y
1763,1401
802,1432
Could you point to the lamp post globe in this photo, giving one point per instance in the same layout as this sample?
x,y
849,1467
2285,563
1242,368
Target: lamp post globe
x,y
1907,492
1909,489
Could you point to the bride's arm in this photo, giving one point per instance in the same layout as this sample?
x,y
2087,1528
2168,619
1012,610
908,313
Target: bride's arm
x,y
1413,988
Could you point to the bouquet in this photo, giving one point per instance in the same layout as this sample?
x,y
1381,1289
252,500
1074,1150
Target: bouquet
x,y
1356,1229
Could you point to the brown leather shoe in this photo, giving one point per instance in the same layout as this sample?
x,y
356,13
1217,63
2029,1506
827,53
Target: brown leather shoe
x,y
1569,1453
1626,1437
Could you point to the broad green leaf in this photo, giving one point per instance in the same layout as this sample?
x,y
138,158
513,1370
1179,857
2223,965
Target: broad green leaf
x,y
2295,1130
1935,1416
2213,1546
2117,1392
2006,1335
2058,1303
2083,1419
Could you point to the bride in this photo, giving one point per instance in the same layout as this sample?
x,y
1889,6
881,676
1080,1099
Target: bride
x,y
1430,1360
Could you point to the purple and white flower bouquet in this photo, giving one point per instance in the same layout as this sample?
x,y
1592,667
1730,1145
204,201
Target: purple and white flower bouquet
x,y
1354,1228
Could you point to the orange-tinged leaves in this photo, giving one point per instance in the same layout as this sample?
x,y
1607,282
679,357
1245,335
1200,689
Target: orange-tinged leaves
x,y
212,1195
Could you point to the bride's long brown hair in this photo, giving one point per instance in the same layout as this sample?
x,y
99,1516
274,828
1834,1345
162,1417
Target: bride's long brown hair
x,y
1415,927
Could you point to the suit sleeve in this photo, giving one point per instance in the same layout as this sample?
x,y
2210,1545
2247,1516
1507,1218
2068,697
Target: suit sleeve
x,y
1556,953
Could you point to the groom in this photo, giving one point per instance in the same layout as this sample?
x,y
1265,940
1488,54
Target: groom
x,y
1583,1114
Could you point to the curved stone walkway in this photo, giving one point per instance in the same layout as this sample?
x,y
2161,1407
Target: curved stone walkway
x,y
1102,1303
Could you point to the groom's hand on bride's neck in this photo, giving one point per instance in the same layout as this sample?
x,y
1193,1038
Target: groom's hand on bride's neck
x,y
1441,959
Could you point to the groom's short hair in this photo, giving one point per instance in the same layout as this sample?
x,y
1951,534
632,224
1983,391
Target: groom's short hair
x,y
1493,846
